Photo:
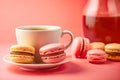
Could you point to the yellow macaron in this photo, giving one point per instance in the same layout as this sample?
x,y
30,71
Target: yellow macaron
x,y
113,51
22,53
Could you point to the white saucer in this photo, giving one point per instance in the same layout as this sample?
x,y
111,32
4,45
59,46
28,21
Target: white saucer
x,y
37,66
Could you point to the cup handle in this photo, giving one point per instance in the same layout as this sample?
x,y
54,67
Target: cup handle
x,y
71,37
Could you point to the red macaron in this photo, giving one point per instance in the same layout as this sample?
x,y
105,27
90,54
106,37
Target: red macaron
x,y
80,46
52,53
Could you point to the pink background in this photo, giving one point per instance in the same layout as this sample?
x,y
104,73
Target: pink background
x,y
14,13
64,13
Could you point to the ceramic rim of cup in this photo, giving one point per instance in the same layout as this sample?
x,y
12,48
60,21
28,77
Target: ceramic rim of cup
x,y
38,28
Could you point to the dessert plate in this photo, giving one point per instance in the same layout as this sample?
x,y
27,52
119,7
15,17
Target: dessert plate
x,y
34,66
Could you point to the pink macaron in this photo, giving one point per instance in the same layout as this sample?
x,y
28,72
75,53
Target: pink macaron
x,y
80,46
52,53
96,56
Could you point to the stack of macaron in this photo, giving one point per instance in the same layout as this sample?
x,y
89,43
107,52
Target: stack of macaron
x,y
96,54
112,50
50,53
82,48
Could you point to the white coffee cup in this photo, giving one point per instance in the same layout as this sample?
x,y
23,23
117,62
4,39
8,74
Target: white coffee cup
x,y
40,35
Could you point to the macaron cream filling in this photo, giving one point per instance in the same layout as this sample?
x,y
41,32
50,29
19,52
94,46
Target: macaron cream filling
x,y
55,53
21,53
113,53
54,56
82,48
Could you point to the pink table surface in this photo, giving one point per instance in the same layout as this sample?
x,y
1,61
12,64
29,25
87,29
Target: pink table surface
x,y
77,69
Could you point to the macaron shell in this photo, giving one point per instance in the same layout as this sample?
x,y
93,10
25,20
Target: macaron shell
x,y
51,48
96,52
97,45
22,59
23,48
112,47
113,58
97,61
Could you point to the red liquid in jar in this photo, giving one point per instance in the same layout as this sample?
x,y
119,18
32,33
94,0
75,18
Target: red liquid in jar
x,y
105,29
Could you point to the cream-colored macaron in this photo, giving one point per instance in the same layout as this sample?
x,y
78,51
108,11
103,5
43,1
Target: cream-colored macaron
x,y
22,53
113,51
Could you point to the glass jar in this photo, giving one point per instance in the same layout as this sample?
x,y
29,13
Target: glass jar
x,y
101,20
